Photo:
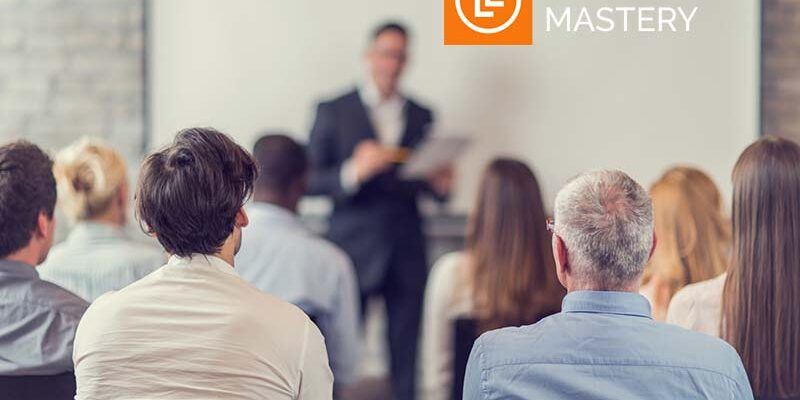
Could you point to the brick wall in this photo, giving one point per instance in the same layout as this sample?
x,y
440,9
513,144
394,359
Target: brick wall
x,y
70,68
780,101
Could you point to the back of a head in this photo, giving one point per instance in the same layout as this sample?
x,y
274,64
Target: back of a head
x,y
282,163
605,219
90,174
513,276
27,188
761,316
691,226
190,192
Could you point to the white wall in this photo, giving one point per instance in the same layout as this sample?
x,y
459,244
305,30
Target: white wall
x,y
571,102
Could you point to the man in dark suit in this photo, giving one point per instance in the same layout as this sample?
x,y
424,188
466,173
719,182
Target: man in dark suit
x,y
354,147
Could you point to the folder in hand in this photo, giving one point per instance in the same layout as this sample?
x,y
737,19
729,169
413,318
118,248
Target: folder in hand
x,y
434,153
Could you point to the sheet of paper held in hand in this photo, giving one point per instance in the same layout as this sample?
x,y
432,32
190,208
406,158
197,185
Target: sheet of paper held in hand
x,y
434,153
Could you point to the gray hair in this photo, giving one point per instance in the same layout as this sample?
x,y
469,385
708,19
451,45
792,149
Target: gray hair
x,y
605,219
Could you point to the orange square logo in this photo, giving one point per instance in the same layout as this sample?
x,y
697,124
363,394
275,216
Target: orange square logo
x,y
488,22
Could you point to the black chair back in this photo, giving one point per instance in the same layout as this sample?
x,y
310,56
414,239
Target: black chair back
x,y
31,387
466,332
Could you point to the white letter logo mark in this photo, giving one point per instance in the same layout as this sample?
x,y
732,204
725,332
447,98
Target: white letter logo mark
x,y
486,12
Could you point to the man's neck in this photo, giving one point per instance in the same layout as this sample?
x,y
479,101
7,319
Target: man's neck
x,y
26,255
227,256
632,287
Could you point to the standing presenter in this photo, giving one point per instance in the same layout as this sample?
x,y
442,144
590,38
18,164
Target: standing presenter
x,y
355,145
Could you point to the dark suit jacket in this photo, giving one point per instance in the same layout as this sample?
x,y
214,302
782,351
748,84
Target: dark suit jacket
x,y
380,219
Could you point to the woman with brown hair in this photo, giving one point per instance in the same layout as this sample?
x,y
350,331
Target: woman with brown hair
x,y
504,277
693,235
756,305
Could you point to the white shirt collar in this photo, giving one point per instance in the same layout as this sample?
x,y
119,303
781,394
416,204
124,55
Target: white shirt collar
x,y
371,96
202,261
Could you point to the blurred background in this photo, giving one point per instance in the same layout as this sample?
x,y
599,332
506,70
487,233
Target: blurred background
x,y
135,72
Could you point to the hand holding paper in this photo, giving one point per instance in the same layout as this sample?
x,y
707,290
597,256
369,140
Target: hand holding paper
x,y
370,158
434,155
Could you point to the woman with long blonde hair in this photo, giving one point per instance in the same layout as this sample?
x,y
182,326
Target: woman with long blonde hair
x,y
504,277
97,256
693,235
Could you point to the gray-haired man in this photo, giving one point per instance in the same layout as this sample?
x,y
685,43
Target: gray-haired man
x,y
604,344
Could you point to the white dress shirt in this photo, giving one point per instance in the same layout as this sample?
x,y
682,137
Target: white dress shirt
x,y
98,258
386,114
281,257
446,300
195,330
699,306
388,121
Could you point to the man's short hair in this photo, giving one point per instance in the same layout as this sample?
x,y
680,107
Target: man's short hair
x,y
605,219
190,192
391,26
281,162
27,188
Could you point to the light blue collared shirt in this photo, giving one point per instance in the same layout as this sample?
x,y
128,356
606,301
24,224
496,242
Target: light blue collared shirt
x,y
603,345
37,322
98,258
281,257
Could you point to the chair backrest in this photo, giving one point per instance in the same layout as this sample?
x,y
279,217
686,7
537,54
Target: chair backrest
x,y
466,332
32,387
315,320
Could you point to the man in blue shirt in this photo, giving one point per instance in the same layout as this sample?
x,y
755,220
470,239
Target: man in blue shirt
x,y
283,258
604,344
37,318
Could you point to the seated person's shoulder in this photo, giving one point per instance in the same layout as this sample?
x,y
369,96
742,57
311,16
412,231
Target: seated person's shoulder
x,y
691,293
699,350
695,301
148,252
445,273
286,324
324,259
523,343
331,252
449,263
257,304
47,294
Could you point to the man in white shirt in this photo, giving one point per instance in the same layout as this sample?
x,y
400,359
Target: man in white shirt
x,y
194,328
281,257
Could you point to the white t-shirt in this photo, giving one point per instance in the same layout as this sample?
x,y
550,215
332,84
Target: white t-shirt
x,y
195,330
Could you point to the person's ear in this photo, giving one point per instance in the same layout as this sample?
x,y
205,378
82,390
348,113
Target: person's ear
x,y
561,256
241,218
43,226
655,243
45,229
300,186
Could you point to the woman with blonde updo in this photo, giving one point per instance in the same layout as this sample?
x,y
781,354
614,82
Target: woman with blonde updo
x,y
97,257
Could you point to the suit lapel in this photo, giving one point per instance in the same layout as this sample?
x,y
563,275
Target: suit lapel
x,y
363,128
409,138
